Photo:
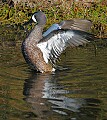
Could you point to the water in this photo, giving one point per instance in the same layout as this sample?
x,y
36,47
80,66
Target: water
x,y
76,93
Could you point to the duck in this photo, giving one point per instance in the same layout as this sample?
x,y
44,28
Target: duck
x,y
41,50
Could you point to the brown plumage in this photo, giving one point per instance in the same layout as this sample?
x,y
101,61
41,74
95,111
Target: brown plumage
x,y
39,51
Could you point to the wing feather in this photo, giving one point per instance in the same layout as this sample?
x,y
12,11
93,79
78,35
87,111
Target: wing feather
x,y
76,24
57,41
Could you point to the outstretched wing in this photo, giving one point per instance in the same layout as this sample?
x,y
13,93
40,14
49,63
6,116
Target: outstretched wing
x,y
52,28
74,24
57,41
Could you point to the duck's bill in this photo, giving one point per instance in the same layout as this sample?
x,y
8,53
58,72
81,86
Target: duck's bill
x,y
28,22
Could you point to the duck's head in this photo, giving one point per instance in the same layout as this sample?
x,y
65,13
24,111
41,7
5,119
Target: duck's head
x,y
39,17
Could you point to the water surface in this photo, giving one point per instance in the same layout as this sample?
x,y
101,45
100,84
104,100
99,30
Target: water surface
x,y
76,93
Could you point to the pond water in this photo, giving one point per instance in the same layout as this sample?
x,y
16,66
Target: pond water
x,y
78,91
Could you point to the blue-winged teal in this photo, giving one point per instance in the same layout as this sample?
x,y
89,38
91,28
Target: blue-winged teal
x,y
42,51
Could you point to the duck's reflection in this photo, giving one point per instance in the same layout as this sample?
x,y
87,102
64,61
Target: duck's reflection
x,y
47,96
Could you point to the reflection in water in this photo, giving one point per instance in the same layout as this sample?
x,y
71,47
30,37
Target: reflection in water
x,y
45,95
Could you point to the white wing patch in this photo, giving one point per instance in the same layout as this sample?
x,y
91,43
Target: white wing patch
x,y
54,44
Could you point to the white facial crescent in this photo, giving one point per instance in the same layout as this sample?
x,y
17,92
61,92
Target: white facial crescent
x,y
33,18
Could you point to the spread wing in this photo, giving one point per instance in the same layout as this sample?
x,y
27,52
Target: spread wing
x,y
75,24
52,28
57,41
